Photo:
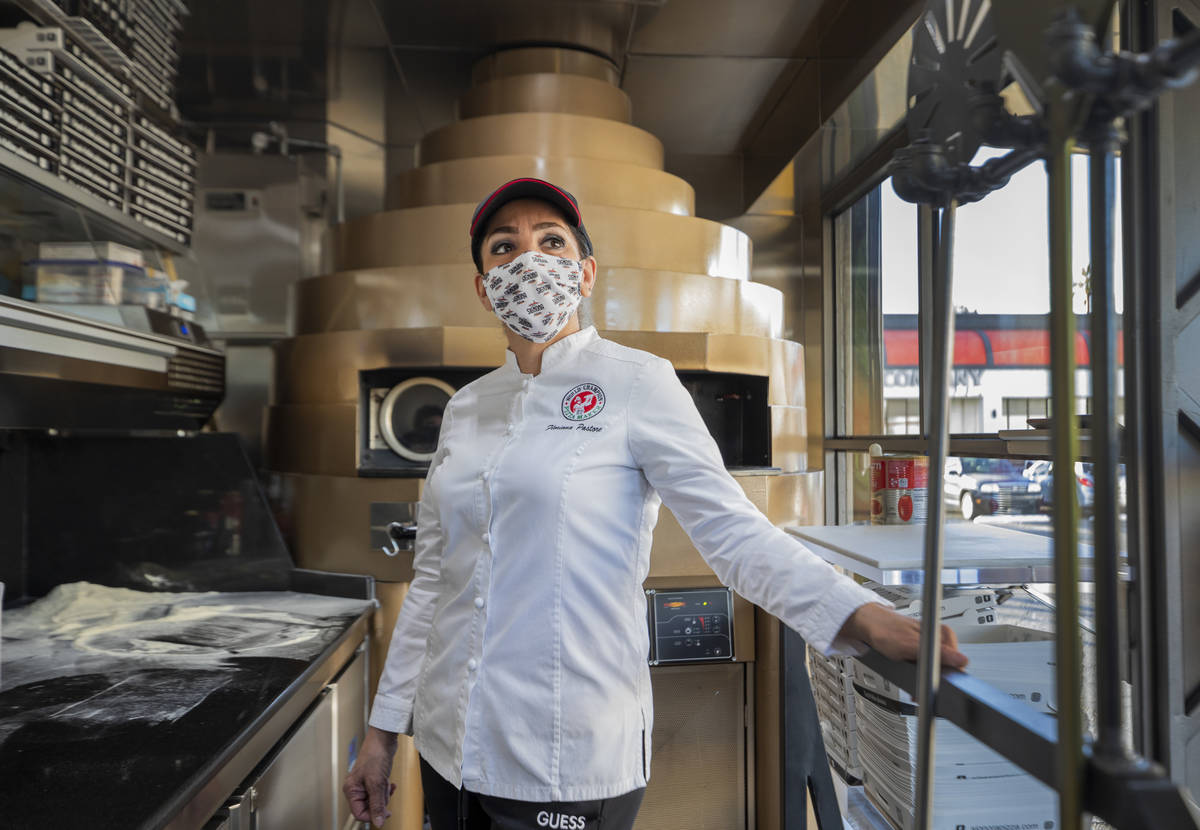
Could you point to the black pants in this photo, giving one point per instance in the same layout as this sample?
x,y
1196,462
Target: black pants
x,y
452,809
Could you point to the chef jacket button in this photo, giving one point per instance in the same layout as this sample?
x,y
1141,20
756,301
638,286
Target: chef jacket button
x,y
487,537
472,664
485,475
478,602
508,430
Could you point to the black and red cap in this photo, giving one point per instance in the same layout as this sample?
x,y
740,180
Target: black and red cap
x,y
527,189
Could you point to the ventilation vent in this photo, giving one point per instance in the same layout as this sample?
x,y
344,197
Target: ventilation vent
x,y
198,372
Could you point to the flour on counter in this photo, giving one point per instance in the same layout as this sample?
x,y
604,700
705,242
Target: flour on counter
x,y
143,697
83,628
200,630
77,605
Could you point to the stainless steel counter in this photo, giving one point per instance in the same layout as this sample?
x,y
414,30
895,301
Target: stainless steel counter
x,y
147,710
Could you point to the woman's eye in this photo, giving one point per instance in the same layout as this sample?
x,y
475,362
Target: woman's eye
x,y
501,248
553,241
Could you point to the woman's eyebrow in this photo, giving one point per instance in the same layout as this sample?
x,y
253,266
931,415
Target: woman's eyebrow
x,y
510,229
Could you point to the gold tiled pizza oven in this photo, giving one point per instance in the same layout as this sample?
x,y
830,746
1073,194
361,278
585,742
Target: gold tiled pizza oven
x,y
400,304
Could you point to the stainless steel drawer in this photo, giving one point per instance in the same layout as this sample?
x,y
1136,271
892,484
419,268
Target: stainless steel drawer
x,y
350,725
295,790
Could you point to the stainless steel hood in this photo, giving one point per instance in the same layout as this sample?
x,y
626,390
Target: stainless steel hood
x,y
60,371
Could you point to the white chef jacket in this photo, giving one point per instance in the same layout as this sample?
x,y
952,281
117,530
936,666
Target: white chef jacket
x,y
519,660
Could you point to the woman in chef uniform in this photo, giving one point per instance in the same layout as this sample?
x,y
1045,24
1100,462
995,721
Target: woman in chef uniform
x,y
519,660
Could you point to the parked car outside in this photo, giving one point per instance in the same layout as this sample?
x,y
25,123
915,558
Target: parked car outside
x,y
990,486
1042,472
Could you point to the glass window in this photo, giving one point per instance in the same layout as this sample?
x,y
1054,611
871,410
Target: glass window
x,y
1000,376
875,321
1018,411
1001,296
902,416
966,415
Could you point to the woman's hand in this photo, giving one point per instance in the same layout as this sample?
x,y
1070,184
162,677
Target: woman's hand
x,y
367,787
896,636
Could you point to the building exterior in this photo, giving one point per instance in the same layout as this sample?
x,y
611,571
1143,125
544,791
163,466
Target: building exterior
x,y
1001,372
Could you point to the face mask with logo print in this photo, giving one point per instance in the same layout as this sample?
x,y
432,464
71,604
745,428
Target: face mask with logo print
x,y
535,294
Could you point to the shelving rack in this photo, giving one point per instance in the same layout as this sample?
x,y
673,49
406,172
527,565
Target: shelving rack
x,y
60,204
1036,445
43,205
1058,52
975,554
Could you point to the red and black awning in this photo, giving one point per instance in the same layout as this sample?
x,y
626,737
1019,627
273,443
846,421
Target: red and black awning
x,y
1018,341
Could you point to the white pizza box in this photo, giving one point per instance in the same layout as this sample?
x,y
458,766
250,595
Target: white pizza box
x,y
839,711
1017,661
835,662
1004,813
837,742
837,704
842,684
954,598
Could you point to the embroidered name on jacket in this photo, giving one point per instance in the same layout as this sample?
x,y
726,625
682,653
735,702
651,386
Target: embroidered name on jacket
x,y
583,402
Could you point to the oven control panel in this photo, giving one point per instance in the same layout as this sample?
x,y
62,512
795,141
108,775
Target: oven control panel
x,y
690,625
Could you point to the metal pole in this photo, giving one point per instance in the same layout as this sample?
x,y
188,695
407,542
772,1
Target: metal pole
x,y
1064,437
1102,174
929,662
1140,212
926,257
341,185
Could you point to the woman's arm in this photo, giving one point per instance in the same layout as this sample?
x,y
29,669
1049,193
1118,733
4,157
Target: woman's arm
x,y
392,709
758,560
367,785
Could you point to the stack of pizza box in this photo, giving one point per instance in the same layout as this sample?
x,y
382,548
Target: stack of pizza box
x,y
833,691
972,784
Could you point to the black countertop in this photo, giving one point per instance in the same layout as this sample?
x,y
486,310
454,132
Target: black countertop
x,y
117,705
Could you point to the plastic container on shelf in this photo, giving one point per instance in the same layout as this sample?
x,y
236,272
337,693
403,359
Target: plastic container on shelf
x,y
67,281
147,289
91,251
103,273
184,306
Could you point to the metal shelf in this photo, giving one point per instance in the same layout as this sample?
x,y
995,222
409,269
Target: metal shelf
x,y
986,445
1127,793
975,554
53,213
